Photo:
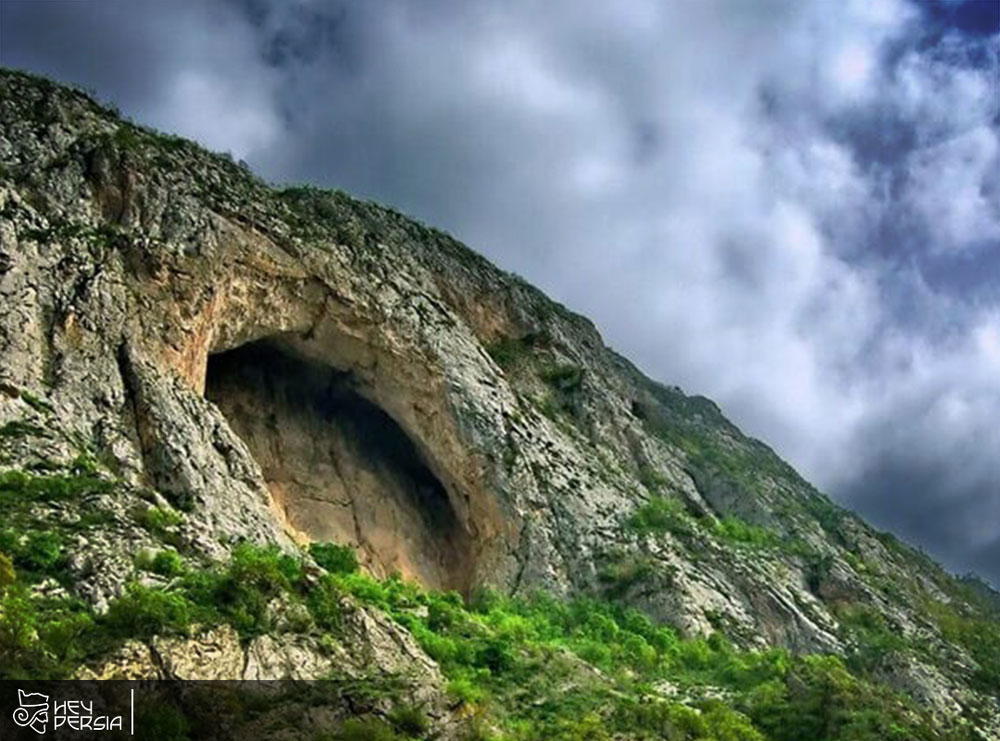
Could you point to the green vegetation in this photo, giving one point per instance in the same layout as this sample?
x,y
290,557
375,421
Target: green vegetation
x,y
317,213
873,638
125,138
35,631
409,720
337,559
652,479
34,541
358,729
97,238
624,572
17,428
160,522
713,445
565,382
662,515
39,405
533,668
38,551
165,563
564,378
20,489
977,635
516,658
508,351
737,531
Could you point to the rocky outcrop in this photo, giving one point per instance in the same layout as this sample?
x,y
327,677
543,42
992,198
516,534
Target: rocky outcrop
x,y
288,366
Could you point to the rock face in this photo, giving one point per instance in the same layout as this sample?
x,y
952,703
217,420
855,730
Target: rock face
x,y
289,366
337,466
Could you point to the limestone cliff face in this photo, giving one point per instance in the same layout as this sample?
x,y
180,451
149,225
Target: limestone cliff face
x,y
287,366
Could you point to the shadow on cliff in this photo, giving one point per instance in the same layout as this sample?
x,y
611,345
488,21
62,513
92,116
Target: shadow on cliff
x,y
338,466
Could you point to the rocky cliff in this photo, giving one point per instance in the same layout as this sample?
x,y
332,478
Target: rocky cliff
x,y
192,360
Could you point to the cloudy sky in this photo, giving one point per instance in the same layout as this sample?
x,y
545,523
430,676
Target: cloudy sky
x,y
792,207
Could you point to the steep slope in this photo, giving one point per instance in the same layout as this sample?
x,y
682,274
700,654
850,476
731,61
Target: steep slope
x,y
191,357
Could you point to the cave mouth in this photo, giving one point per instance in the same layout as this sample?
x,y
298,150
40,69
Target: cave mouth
x,y
339,468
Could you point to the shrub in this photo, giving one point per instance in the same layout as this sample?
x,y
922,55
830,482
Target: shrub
x,y
369,729
409,719
34,552
495,654
159,521
142,612
565,378
661,515
652,479
820,699
165,563
18,633
161,721
466,690
337,559
42,551
243,591
19,428
18,488
625,572
36,403
323,603
980,637
507,351
736,530
39,638
874,638
125,138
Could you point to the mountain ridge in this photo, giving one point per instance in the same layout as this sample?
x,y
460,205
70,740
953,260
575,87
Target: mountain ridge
x,y
133,264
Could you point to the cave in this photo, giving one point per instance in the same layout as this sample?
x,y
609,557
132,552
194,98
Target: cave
x,y
339,467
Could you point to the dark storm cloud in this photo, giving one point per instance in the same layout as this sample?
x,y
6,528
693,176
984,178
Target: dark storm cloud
x,y
978,17
912,463
792,207
185,66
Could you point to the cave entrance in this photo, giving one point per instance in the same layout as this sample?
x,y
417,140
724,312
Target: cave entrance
x,y
339,467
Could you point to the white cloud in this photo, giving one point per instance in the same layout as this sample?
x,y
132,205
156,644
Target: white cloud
x,y
947,188
224,117
852,69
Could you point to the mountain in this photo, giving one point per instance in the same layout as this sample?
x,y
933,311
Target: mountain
x,y
261,433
